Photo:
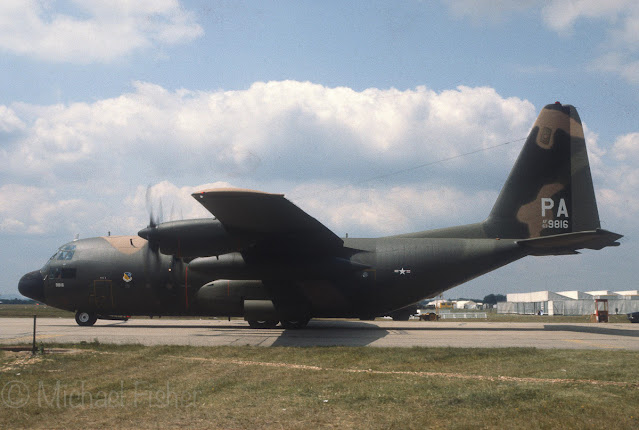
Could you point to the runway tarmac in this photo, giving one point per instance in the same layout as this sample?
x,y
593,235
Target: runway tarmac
x,y
208,332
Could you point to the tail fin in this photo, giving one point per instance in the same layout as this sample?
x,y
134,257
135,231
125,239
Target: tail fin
x,y
548,202
549,190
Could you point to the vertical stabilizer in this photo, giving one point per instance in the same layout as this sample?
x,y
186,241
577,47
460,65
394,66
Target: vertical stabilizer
x,y
549,190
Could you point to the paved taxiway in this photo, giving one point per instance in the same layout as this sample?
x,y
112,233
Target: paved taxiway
x,y
382,333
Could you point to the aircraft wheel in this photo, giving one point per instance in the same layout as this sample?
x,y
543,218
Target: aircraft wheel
x,y
295,324
85,318
263,324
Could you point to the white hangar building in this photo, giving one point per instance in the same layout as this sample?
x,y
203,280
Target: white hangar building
x,y
569,302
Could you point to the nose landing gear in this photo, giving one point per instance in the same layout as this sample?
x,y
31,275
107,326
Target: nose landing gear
x,y
85,319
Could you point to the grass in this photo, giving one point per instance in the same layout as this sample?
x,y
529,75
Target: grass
x,y
107,386
44,311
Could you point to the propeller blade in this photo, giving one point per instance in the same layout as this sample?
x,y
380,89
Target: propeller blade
x,y
149,205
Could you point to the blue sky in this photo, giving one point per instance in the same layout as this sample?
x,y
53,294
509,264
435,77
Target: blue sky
x,y
312,99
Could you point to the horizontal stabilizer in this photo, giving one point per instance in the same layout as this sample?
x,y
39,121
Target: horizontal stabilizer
x,y
569,243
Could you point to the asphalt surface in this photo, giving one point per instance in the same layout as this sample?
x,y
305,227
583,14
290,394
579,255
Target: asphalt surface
x,y
382,333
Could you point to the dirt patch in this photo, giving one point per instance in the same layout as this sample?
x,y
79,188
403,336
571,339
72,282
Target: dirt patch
x,y
418,373
19,359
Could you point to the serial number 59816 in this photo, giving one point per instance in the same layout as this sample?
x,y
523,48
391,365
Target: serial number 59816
x,y
554,223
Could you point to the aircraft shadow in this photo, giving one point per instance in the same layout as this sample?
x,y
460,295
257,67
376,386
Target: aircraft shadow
x,y
332,333
317,333
313,325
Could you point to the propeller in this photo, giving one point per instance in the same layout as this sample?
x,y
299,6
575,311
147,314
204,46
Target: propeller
x,y
150,232
153,260
157,219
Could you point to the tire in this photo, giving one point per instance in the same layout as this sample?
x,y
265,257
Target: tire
x,y
263,324
295,324
85,319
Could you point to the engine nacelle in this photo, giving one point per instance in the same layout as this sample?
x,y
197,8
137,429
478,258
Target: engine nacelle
x,y
260,310
248,299
227,297
191,238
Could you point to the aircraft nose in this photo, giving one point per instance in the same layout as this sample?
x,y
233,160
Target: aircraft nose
x,y
31,285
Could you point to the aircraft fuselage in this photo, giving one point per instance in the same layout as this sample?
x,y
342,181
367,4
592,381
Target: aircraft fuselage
x,y
122,276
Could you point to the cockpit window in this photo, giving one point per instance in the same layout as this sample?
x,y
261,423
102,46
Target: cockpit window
x,y
66,252
65,255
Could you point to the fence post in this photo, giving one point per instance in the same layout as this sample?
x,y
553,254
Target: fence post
x,y
33,349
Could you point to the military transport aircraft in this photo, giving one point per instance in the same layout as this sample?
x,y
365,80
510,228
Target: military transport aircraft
x,y
264,259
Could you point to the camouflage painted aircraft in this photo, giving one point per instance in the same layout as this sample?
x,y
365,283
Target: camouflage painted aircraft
x,y
264,259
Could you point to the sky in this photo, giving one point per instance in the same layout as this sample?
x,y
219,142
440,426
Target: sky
x,y
376,117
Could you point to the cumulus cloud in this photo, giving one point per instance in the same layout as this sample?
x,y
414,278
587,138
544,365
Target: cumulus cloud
x,y
621,185
272,129
391,209
9,121
33,210
169,202
274,136
90,31
45,210
346,157
626,147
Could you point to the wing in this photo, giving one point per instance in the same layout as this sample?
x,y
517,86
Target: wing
x,y
270,219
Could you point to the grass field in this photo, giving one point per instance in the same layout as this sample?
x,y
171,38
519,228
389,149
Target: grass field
x,y
105,386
